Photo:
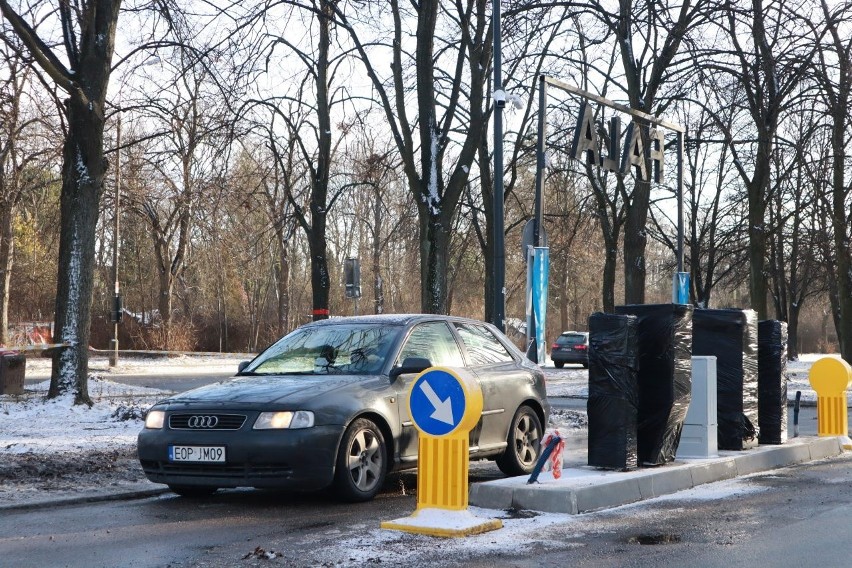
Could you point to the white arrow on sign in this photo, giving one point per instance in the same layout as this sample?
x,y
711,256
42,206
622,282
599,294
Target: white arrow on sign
x,y
443,408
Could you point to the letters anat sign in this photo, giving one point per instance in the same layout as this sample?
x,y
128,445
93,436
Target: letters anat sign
x,y
586,146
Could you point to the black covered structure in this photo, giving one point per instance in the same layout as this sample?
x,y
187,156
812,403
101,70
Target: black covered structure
x,y
664,377
731,335
613,403
772,381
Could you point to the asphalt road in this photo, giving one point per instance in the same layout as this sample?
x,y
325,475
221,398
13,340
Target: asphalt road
x,y
797,516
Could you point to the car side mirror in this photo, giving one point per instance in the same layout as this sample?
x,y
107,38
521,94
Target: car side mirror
x,y
241,367
411,365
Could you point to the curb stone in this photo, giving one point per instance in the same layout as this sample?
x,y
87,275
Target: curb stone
x,y
82,498
584,489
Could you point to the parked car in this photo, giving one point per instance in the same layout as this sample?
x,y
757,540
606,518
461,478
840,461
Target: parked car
x,y
327,405
570,347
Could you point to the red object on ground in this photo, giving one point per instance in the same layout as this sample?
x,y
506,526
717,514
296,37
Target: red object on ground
x,y
555,460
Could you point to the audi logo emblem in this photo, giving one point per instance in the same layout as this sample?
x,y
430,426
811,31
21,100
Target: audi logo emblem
x,y
202,421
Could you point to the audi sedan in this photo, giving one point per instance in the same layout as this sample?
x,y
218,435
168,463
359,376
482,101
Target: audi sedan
x,y
327,407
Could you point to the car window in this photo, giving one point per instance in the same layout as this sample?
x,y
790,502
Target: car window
x,y
328,349
482,347
435,342
571,339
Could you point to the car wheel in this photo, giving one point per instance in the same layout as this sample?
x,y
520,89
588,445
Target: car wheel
x,y
193,491
361,462
558,364
524,443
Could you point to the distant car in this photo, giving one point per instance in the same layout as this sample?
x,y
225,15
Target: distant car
x,y
570,347
327,405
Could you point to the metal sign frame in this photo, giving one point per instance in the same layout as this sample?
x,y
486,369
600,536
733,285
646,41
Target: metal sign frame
x,y
540,151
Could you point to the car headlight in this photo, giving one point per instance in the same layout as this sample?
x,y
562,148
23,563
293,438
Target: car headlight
x,y
155,419
281,420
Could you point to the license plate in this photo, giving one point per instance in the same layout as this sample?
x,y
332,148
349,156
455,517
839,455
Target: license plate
x,y
213,454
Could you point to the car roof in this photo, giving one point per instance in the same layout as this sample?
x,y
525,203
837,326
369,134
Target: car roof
x,y
391,319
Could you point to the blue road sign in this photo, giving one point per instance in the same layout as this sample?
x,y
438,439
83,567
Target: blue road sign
x,y
437,403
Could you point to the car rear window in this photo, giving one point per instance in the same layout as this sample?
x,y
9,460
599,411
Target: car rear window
x,y
571,339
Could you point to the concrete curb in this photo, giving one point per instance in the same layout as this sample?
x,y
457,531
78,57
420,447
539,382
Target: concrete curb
x,y
98,497
574,495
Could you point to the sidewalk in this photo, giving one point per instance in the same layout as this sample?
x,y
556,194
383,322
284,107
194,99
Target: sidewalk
x,y
583,489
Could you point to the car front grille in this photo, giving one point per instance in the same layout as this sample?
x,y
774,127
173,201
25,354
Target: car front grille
x,y
235,472
222,421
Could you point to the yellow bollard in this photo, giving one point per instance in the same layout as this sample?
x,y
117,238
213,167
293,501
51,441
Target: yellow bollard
x,y
830,377
445,404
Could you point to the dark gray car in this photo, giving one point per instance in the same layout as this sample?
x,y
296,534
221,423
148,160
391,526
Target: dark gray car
x,y
327,405
570,347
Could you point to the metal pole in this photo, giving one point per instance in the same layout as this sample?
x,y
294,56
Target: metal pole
x,y
680,201
113,360
532,348
497,224
540,160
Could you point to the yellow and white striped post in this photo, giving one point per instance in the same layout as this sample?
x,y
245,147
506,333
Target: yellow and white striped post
x,y
445,404
830,377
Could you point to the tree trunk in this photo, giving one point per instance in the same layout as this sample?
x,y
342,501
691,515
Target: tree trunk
x,y
608,287
83,171
635,238
564,281
282,280
843,260
375,260
434,252
757,250
7,255
164,304
320,281
793,333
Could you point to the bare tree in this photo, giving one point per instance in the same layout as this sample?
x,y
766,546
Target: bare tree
x,y
88,41
22,154
833,71
768,69
437,147
192,127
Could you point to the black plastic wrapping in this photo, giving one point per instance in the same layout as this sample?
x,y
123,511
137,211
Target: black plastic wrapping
x,y
731,335
772,381
664,377
613,403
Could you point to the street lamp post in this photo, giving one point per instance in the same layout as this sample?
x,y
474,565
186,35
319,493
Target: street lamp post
x,y
498,311
116,307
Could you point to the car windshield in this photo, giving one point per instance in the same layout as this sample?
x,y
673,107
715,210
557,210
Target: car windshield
x,y
328,349
571,339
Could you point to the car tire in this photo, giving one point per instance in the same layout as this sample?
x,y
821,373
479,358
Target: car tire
x,y
362,462
193,491
523,443
558,364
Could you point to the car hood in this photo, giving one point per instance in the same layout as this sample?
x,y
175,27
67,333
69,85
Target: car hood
x,y
270,389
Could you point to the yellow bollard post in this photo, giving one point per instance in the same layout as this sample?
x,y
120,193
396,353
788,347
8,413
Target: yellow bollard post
x,y
830,377
445,404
